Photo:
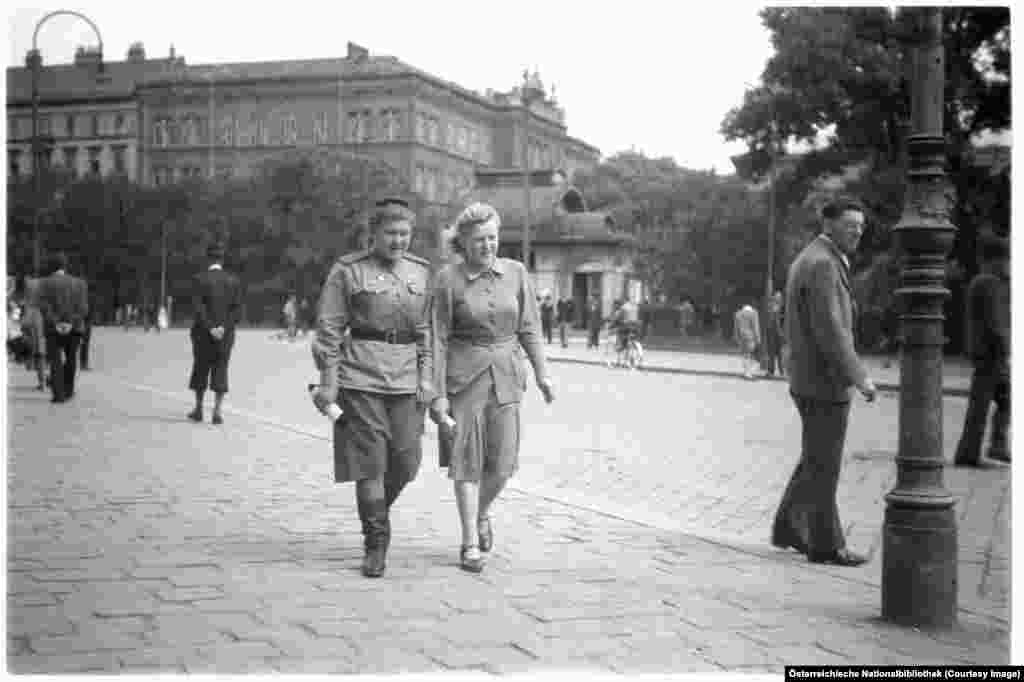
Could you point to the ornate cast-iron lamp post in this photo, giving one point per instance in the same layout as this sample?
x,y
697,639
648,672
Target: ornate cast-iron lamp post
x,y
919,570
36,63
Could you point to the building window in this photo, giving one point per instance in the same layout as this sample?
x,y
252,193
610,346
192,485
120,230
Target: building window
x,y
259,131
227,131
161,175
94,160
161,135
389,124
95,125
14,163
120,159
225,172
119,124
12,128
71,159
44,125
419,179
186,130
70,123
289,130
320,135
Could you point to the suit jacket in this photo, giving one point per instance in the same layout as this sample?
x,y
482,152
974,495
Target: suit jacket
x,y
218,300
64,298
819,325
988,321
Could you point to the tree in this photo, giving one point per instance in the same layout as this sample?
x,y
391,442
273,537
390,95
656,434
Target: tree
x,y
837,81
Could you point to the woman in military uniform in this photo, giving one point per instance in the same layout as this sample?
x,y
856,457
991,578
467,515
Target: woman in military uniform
x,y
380,374
484,314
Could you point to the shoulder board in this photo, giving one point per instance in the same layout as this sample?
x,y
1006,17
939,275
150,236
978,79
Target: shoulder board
x,y
417,259
354,257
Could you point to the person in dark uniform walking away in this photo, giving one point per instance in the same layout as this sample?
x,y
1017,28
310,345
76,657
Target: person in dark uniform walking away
x,y
565,315
484,315
64,303
547,317
988,346
218,309
594,322
383,369
823,368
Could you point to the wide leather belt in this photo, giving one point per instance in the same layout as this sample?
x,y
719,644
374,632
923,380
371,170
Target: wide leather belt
x,y
485,340
391,336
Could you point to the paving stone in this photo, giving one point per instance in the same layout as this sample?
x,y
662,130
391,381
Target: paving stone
x,y
190,594
34,621
96,662
315,666
31,599
84,643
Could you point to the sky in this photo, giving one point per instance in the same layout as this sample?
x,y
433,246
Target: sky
x,y
657,77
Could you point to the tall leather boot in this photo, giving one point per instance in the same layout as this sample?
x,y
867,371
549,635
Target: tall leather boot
x,y
376,535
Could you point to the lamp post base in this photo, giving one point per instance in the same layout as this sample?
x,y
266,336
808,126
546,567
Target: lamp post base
x,y
919,567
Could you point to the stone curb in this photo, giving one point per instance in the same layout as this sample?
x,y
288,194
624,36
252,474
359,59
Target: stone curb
x,y
950,391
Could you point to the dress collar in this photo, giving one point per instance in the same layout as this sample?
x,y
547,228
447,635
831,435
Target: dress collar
x,y
496,267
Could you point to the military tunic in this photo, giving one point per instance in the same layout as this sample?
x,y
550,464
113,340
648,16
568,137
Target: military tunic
x,y
372,343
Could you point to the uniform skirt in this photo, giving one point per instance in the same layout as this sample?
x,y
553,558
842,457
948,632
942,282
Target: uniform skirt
x,y
486,434
377,435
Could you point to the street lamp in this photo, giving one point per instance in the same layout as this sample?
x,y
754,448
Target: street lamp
x,y
919,550
37,152
531,92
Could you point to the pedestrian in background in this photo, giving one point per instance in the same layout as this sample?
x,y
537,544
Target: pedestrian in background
x,y
773,336
87,337
218,309
547,317
565,315
823,367
594,322
64,303
988,347
290,312
686,316
381,375
746,331
33,328
484,316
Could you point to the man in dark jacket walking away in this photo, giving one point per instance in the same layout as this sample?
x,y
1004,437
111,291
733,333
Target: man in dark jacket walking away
x,y
218,309
988,345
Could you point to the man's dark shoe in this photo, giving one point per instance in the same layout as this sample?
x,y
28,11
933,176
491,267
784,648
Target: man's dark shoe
x,y
999,455
789,545
55,399
196,415
966,463
217,419
841,557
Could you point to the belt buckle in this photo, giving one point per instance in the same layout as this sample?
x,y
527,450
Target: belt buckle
x,y
391,336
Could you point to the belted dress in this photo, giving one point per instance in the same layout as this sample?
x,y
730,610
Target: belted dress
x,y
481,325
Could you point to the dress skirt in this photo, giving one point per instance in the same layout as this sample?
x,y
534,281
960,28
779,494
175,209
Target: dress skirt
x,y
487,433
378,435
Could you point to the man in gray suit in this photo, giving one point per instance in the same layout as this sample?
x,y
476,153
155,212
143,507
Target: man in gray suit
x,y
64,303
823,368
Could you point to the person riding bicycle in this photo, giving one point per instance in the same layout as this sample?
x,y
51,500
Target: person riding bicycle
x,y
626,322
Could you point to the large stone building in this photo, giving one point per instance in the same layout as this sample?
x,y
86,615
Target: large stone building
x,y
88,114
162,120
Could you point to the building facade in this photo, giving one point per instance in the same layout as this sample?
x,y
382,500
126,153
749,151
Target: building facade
x,y
163,120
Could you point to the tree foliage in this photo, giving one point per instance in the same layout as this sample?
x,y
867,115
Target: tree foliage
x,y
282,226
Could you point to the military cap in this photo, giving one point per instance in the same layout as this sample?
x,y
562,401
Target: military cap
x,y
390,208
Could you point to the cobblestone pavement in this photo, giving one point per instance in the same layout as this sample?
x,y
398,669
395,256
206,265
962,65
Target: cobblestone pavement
x,y
139,541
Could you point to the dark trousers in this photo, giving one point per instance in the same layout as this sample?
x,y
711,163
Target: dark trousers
x,y
86,338
987,385
548,327
62,354
563,334
595,338
210,359
808,516
772,354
